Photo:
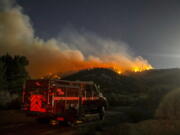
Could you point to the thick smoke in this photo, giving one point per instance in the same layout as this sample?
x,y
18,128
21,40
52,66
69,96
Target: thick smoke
x,y
70,51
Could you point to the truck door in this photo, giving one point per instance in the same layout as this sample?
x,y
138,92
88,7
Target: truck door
x,y
89,103
66,97
95,99
58,100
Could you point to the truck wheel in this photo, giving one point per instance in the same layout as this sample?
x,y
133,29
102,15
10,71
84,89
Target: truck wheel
x,y
102,113
42,120
71,122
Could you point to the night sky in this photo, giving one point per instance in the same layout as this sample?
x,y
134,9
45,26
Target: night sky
x,y
151,28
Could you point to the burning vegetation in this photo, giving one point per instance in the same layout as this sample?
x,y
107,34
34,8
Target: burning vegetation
x,y
118,68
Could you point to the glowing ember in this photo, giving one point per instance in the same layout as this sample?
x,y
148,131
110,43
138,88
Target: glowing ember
x,y
119,69
119,72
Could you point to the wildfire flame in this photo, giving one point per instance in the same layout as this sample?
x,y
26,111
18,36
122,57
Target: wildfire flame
x,y
90,65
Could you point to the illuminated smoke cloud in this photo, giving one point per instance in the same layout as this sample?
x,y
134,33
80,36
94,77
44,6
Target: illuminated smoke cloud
x,y
70,51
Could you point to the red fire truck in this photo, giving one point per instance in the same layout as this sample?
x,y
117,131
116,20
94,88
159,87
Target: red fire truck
x,y
63,100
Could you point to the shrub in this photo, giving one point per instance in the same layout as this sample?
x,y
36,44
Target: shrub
x,y
169,107
6,99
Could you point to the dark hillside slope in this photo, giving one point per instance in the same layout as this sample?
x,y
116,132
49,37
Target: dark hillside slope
x,y
156,80
131,83
119,89
143,90
108,80
159,77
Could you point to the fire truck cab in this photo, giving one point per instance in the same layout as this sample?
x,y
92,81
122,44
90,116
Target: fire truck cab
x,y
63,100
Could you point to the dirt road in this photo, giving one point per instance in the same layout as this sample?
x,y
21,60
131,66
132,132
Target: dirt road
x,y
34,128
16,123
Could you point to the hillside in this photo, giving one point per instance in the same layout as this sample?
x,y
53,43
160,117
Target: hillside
x,y
130,83
159,77
142,90
109,80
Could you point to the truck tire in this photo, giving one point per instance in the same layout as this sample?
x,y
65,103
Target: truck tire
x,y
42,120
102,113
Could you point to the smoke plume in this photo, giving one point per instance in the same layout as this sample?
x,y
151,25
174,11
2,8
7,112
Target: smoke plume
x,y
70,51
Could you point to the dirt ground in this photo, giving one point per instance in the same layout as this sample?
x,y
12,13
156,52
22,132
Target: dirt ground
x,y
14,122
34,128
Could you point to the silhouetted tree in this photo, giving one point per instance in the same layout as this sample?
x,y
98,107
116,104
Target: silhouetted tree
x,y
14,71
2,75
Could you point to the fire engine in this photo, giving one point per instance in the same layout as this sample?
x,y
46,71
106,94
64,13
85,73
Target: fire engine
x,y
63,100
